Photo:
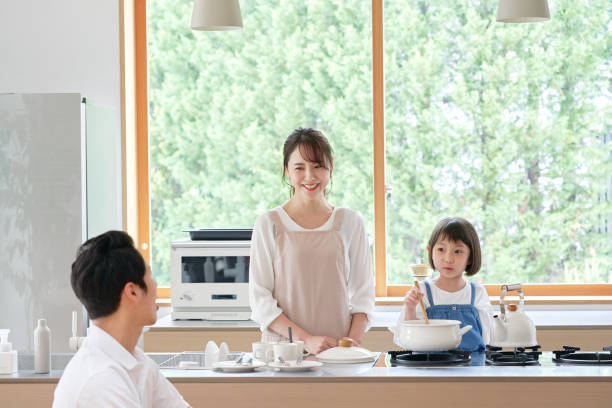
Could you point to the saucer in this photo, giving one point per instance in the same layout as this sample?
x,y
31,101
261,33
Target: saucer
x,y
232,367
306,365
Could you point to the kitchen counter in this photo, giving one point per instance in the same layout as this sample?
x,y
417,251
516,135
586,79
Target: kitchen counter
x,y
589,329
585,319
363,385
379,370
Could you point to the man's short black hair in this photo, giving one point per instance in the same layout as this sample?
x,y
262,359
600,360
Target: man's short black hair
x,y
103,266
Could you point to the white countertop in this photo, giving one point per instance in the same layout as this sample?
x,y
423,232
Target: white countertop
x,y
543,319
547,371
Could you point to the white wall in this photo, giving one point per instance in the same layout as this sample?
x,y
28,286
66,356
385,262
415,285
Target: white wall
x,y
67,46
61,46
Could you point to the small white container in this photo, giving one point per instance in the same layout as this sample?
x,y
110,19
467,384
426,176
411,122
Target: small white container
x,y
8,356
42,348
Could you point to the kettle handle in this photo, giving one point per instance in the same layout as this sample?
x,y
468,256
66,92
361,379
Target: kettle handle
x,y
508,288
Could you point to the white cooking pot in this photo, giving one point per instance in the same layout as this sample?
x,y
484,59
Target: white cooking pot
x,y
416,335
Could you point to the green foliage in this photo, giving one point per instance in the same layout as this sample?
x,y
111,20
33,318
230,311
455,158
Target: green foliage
x,y
499,123
223,103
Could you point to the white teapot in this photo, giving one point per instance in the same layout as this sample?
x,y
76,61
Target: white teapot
x,y
515,328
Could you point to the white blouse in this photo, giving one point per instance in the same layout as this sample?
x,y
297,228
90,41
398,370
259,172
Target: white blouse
x,y
104,374
358,264
463,296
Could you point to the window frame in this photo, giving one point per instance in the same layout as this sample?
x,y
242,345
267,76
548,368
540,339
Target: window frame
x,y
135,147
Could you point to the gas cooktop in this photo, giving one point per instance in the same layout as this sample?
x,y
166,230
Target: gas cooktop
x,y
493,356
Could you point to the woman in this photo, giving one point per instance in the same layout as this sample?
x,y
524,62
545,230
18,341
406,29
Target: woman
x,y
311,268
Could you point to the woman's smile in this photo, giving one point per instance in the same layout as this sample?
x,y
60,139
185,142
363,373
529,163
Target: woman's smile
x,y
310,187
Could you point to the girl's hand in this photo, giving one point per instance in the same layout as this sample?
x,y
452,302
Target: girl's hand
x,y
412,298
317,344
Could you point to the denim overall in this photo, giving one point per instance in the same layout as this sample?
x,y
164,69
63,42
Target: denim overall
x,y
466,314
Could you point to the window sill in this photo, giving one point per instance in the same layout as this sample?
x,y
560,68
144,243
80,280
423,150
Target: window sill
x,y
529,300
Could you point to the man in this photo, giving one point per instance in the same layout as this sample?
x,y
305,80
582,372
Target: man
x,y
111,279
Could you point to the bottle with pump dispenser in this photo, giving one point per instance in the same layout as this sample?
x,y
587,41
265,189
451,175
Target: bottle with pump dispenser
x,y
42,348
8,356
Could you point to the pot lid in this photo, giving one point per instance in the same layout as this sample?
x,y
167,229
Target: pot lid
x,y
345,352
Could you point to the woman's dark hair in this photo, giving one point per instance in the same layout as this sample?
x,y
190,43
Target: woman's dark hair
x,y
313,146
458,229
103,266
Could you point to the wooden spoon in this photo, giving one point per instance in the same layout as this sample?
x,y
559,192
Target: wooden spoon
x,y
420,296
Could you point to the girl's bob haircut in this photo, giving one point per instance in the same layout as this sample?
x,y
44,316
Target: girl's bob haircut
x,y
458,229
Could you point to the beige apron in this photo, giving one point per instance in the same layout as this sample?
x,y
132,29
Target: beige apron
x,y
310,281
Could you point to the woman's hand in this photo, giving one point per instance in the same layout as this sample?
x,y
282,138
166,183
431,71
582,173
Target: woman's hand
x,y
317,344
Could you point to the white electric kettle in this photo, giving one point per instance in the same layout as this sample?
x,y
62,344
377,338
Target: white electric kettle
x,y
515,328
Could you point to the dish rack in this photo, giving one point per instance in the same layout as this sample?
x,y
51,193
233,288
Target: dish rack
x,y
198,357
191,356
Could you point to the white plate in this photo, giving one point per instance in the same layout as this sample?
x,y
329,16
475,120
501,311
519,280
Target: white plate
x,y
304,366
232,367
351,361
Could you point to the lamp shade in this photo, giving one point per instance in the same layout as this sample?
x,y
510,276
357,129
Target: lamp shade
x,y
216,15
522,11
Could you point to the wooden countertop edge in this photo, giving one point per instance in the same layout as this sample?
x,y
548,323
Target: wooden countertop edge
x,y
485,378
529,300
392,379
373,328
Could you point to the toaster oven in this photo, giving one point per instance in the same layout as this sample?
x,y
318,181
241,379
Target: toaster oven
x,y
210,279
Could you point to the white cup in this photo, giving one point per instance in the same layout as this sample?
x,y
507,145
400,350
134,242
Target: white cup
x,y
288,351
300,344
263,351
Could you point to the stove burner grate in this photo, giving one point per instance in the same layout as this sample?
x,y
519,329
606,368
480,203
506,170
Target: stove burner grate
x,y
410,358
570,355
520,356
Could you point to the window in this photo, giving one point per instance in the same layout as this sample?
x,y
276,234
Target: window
x,y
222,104
508,125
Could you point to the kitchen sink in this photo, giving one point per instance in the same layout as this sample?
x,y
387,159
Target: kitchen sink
x,y
59,361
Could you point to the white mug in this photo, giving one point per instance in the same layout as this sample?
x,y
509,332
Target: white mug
x,y
288,351
263,351
300,344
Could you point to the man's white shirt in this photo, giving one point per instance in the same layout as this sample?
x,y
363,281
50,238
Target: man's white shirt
x,y
104,374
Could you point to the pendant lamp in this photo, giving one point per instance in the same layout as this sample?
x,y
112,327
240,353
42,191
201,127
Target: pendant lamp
x,y
522,11
216,15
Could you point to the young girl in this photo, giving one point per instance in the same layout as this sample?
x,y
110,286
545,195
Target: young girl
x,y
454,249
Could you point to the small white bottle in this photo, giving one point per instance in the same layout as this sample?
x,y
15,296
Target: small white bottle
x,y
8,356
42,348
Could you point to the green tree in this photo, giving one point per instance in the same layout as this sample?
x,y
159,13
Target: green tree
x,y
504,124
223,103
501,124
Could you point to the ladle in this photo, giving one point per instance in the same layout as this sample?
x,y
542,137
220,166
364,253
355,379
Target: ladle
x,y
420,296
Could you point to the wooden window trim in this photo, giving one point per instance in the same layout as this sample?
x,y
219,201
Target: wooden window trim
x,y
135,155
553,289
135,123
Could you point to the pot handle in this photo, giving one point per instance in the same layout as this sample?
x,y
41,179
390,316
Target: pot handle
x,y
392,329
465,329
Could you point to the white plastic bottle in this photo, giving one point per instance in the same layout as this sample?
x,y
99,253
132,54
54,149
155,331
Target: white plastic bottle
x,y
8,356
42,348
